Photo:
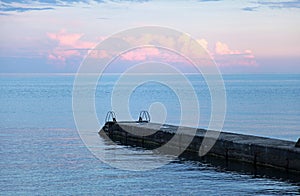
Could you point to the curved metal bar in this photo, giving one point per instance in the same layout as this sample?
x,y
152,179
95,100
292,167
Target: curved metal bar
x,y
144,116
110,115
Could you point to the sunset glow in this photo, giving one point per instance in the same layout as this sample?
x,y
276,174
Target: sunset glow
x,y
243,37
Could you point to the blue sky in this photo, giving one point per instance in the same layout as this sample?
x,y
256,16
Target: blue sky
x,y
242,36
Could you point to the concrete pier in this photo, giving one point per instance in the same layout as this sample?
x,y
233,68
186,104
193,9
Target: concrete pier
x,y
258,151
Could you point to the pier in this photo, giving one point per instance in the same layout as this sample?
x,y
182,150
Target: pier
x,y
254,150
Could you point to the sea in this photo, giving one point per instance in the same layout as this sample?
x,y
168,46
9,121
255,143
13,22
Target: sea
x,y
42,153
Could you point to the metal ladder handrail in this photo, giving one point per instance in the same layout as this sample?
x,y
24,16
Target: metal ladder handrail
x,y
112,115
144,116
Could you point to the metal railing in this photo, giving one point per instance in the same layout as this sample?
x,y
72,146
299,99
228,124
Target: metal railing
x,y
144,116
110,115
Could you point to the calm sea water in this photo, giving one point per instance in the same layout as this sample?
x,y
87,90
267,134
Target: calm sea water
x,y
42,153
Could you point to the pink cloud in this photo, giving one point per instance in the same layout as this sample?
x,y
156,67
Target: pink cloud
x,y
64,38
203,43
99,54
60,56
224,56
223,49
72,45
152,54
68,45
141,54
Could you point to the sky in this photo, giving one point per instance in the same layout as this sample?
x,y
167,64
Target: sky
x,y
49,36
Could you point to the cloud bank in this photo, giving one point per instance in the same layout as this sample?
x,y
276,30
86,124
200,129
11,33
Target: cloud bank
x,y
68,45
71,45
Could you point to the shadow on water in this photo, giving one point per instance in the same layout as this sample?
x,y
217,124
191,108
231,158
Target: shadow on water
x,y
219,164
222,165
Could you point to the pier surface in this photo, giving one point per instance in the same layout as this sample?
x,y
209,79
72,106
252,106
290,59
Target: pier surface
x,y
259,151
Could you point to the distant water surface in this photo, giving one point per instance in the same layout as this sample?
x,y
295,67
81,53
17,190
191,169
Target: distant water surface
x,y
42,153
